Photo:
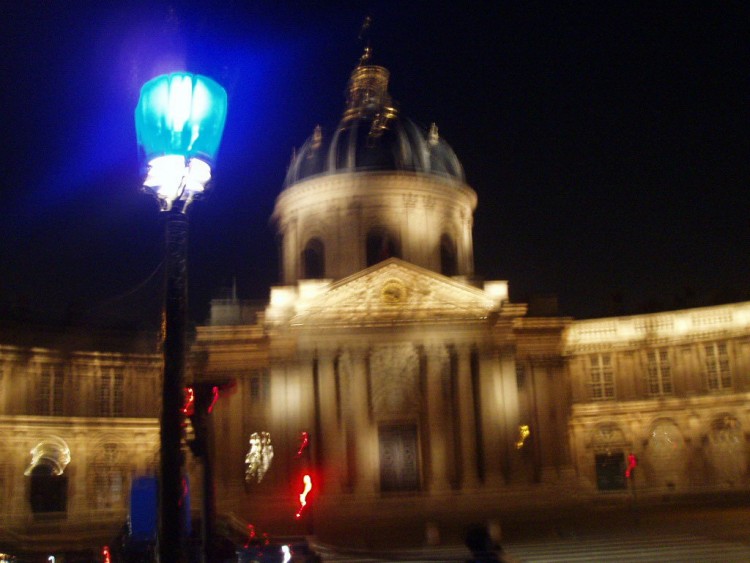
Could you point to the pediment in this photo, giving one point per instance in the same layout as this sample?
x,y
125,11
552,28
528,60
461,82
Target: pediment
x,y
394,292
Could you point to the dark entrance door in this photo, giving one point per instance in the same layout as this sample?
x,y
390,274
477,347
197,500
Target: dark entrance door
x,y
398,458
610,471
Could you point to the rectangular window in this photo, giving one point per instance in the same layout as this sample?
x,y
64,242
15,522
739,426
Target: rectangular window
x,y
602,377
659,372
718,373
50,394
109,391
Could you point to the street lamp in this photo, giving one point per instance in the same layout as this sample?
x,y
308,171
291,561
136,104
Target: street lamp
x,y
179,120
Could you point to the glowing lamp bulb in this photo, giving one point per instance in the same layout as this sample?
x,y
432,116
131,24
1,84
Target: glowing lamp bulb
x,y
179,121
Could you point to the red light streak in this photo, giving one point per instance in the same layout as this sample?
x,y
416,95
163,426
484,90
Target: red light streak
x,y
303,496
632,464
189,407
305,441
215,398
184,491
106,558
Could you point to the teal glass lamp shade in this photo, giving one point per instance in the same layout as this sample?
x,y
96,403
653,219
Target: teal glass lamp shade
x,y
179,121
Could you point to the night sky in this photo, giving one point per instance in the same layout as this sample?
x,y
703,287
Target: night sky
x,y
608,143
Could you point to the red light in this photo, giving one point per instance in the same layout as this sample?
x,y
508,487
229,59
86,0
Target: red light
x,y
250,535
303,495
185,491
215,398
189,407
106,558
304,442
632,464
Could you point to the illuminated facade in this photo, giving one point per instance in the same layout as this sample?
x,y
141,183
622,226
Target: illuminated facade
x,y
428,398
672,388
76,424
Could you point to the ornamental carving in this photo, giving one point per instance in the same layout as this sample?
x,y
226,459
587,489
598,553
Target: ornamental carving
x,y
394,375
391,293
607,436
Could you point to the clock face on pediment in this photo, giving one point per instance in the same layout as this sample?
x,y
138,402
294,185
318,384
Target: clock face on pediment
x,y
393,292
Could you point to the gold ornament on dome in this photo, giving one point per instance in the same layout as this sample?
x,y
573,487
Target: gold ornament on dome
x,y
394,292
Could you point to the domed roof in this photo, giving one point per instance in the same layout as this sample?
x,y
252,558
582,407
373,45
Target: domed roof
x,y
372,137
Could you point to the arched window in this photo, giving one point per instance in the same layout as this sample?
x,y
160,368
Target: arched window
x,y
313,259
448,261
726,444
381,245
48,491
666,455
106,477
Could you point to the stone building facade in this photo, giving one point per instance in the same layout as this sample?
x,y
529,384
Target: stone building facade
x,y
671,388
77,424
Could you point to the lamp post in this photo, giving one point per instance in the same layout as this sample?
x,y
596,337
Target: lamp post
x,y
179,120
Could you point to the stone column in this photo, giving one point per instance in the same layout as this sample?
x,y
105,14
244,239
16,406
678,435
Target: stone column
x,y
467,425
78,493
437,359
363,436
290,251
332,460
349,256
493,423
467,248
409,251
509,409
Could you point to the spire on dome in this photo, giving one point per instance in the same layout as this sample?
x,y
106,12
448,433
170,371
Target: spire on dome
x,y
367,94
366,56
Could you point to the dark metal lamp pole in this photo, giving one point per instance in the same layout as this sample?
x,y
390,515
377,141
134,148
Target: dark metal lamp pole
x,y
171,514
179,121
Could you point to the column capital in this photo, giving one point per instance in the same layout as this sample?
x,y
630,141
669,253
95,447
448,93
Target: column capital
x,y
435,350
